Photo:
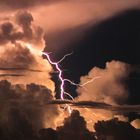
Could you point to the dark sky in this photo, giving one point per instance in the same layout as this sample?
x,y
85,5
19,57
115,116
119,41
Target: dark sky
x,y
116,38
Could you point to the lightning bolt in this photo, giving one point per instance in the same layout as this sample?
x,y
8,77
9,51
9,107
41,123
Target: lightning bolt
x,y
84,84
56,64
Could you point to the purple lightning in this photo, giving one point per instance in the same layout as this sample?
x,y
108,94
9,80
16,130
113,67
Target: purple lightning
x,y
56,64
60,74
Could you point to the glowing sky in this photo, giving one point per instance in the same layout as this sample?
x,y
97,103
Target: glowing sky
x,y
104,36
59,18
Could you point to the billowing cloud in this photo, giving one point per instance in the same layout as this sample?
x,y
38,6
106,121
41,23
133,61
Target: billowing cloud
x,y
74,128
21,27
29,86
21,43
110,88
104,97
23,107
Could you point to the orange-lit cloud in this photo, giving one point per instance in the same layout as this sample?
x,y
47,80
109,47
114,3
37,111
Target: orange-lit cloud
x,y
110,89
24,75
58,18
21,42
21,46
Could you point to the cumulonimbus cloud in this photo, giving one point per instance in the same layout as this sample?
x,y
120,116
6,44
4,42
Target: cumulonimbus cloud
x,y
28,102
21,43
25,81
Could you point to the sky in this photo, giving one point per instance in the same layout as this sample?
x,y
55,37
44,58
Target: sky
x,y
103,37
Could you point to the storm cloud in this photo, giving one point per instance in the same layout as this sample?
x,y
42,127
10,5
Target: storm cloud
x,y
26,103
75,128
119,109
21,44
25,96
110,88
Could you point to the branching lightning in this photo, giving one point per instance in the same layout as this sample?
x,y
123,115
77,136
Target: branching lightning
x,y
64,57
60,74
84,84
56,64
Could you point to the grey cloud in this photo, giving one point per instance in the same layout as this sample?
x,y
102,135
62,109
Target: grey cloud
x,y
29,102
24,19
82,103
75,128
7,28
99,105
115,130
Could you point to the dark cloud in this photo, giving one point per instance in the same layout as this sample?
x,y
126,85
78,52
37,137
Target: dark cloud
x,y
7,28
24,19
49,134
9,33
82,103
23,109
21,29
98,105
74,128
115,130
